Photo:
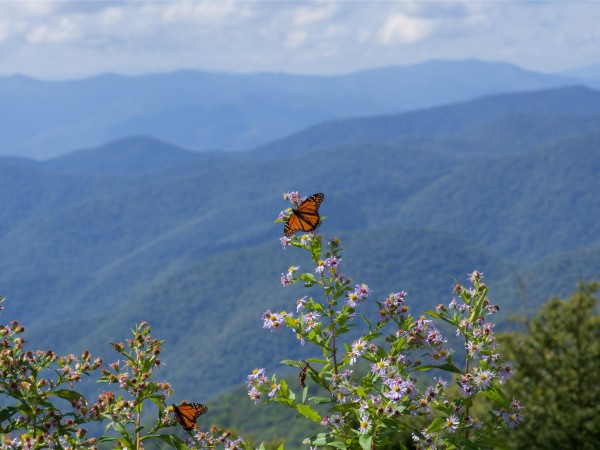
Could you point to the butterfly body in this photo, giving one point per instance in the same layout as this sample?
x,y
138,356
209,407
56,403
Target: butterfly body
x,y
305,217
187,413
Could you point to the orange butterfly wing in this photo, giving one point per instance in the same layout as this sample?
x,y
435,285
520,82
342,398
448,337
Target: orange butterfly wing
x,y
306,217
187,413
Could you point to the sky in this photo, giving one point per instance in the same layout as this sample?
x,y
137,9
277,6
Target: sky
x,y
74,39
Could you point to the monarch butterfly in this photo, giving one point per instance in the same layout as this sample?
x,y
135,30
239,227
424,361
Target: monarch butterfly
x,y
187,413
305,217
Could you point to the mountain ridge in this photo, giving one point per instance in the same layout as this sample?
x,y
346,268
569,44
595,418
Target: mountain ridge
x,y
203,110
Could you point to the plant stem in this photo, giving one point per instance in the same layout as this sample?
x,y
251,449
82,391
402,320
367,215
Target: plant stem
x,y
330,313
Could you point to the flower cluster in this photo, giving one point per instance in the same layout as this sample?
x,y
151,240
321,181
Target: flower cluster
x,y
273,321
258,383
215,437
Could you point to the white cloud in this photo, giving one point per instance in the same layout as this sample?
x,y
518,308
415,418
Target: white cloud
x,y
401,29
295,39
313,14
45,38
197,12
62,31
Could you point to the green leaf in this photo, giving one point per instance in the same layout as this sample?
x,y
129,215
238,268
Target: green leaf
x,y
283,389
285,401
280,447
308,278
436,425
367,322
495,393
399,345
338,444
318,307
320,400
365,441
439,316
102,439
447,367
172,441
67,394
292,363
307,411
480,300
494,442
7,413
319,440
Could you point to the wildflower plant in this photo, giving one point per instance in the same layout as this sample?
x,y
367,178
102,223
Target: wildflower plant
x,y
40,407
366,389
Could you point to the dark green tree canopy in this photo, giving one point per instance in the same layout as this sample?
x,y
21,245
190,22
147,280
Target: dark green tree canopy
x,y
557,362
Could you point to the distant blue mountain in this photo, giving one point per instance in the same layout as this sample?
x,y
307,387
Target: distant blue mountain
x,y
505,116
228,111
138,155
591,72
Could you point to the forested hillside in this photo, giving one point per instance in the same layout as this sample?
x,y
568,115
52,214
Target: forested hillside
x,y
140,229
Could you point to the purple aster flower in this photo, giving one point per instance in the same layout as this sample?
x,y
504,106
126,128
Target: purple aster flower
x,y
352,299
333,263
300,304
234,445
473,349
254,394
475,275
292,196
410,389
274,388
396,389
337,421
451,423
441,382
511,419
257,375
306,238
380,367
435,338
320,266
364,424
515,405
358,348
422,406
483,379
311,320
272,321
363,291
286,279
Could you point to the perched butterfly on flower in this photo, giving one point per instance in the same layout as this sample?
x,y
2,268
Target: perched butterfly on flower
x,y
187,413
305,217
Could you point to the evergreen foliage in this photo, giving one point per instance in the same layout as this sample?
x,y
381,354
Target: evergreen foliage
x,y
557,373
